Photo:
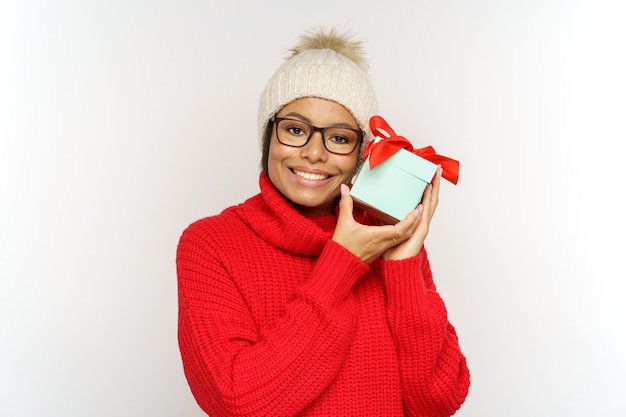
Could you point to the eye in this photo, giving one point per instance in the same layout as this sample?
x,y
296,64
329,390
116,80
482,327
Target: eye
x,y
294,128
338,139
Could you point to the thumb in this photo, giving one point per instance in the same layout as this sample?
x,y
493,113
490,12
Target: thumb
x,y
345,204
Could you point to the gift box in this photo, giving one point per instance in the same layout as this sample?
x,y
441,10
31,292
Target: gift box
x,y
395,187
393,177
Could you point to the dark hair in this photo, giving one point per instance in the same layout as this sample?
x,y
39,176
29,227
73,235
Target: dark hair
x,y
267,138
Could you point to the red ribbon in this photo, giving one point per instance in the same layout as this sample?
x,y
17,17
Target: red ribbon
x,y
391,143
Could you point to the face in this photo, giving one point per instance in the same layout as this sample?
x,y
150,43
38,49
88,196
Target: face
x,y
310,176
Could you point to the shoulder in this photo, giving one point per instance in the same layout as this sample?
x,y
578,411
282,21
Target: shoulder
x,y
218,229
211,228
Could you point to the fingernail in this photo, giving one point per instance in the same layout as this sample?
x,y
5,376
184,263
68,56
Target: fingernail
x,y
440,170
343,189
418,211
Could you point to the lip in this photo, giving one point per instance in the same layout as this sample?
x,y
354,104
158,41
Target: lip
x,y
309,183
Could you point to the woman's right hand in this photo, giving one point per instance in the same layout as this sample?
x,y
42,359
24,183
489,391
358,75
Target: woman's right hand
x,y
369,242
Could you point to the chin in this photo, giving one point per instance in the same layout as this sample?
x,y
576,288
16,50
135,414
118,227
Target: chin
x,y
313,207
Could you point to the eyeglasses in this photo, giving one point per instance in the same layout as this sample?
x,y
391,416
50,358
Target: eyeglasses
x,y
296,133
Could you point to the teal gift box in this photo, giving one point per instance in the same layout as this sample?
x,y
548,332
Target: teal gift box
x,y
393,188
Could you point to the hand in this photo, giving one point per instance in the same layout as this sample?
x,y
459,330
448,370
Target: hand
x,y
413,245
370,242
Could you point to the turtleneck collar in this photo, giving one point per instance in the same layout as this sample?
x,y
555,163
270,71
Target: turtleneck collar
x,y
271,216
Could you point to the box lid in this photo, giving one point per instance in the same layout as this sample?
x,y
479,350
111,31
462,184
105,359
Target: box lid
x,y
413,164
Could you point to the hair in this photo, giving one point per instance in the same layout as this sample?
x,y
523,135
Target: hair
x,y
265,151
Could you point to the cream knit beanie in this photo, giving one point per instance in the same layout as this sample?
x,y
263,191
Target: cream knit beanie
x,y
327,65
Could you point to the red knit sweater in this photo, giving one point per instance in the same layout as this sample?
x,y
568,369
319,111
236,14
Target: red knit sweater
x,y
276,319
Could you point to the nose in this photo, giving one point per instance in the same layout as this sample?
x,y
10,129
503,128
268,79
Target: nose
x,y
314,150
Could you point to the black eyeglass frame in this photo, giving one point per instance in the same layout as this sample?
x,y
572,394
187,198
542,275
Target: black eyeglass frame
x,y
275,120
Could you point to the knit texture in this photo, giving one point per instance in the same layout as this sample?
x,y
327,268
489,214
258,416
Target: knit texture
x,y
276,319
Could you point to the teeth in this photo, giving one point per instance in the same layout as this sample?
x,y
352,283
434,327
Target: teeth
x,y
310,176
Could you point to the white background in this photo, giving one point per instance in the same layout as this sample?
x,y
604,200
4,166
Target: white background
x,y
123,121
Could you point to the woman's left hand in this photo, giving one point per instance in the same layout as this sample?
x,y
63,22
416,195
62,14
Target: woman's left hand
x,y
413,245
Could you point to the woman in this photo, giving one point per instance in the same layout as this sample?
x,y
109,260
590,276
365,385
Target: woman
x,y
295,303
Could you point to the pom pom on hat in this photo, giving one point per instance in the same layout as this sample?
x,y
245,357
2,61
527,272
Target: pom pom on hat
x,y
325,64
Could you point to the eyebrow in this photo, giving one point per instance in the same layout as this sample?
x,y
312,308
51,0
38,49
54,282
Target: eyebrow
x,y
306,119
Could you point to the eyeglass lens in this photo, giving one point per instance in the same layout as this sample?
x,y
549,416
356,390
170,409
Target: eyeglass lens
x,y
297,133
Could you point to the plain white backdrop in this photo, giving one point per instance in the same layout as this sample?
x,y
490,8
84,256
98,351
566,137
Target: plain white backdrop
x,y
121,122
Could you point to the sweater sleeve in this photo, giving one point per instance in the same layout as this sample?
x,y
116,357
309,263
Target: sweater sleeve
x,y
433,370
235,368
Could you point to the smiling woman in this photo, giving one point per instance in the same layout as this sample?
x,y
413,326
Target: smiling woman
x,y
296,303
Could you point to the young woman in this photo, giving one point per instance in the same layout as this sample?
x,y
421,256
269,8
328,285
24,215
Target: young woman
x,y
294,303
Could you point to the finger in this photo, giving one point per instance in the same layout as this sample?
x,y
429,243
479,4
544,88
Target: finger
x,y
431,194
346,205
436,184
438,174
403,230
427,197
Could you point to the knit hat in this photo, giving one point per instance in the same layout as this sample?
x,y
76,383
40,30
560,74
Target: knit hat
x,y
326,65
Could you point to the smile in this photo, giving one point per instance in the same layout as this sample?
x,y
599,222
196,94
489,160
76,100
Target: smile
x,y
310,176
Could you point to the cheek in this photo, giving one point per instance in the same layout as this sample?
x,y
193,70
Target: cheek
x,y
275,152
275,157
348,166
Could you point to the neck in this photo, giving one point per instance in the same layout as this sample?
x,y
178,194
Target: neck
x,y
324,210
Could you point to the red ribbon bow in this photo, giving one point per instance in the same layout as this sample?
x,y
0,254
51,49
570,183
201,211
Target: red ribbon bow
x,y
392,143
